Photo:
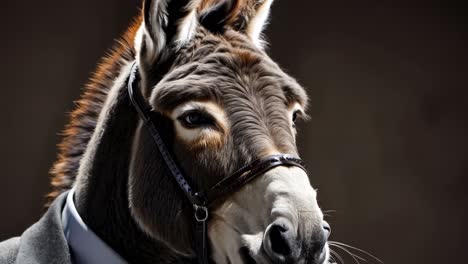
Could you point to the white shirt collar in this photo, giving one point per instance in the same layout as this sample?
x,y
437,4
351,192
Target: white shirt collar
x,y
85,246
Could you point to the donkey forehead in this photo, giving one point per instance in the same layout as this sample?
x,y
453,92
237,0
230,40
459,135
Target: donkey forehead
x,y
226,75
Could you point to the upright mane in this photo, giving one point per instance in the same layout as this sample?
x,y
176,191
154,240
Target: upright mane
x,y
84,117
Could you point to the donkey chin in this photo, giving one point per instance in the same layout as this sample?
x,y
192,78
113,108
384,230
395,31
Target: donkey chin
x,y
274,219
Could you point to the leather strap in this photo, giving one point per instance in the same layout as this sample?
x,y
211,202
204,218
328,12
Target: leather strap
x,y
249,172
202,200
144,110
201,234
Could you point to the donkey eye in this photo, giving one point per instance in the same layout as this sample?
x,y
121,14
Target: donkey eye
x,y
195,119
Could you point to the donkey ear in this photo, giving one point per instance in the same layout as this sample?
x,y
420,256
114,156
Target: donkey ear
x,y
246,16
216,16
166,23
252,18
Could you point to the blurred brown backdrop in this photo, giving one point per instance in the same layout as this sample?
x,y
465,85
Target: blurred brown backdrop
x,y
387,145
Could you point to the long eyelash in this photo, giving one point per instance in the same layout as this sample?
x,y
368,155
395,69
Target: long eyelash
x,y
205,114
200,111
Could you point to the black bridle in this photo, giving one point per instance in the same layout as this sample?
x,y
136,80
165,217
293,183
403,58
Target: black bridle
x,y
201,200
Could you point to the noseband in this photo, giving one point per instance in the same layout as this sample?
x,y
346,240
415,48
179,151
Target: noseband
x,y
201,200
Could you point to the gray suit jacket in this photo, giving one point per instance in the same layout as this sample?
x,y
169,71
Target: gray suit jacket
x,y
42,243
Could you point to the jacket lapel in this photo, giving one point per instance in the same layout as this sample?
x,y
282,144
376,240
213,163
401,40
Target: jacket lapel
x,y
44,242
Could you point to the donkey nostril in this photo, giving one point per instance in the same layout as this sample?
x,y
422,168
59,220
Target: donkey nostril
x,y
279,240
327,229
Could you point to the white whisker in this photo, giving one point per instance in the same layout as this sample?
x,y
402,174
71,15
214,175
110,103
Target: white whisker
x,y
328,213
355,257
337,256
357,249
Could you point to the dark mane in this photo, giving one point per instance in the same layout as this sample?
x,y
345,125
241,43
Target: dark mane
x,y
83,119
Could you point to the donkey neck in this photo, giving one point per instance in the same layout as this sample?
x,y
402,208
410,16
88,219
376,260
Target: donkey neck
x,y
101,194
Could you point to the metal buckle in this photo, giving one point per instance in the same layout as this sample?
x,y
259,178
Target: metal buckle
x,y
201,213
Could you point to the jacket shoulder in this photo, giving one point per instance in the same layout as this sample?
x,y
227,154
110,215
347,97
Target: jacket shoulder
x,y
9,250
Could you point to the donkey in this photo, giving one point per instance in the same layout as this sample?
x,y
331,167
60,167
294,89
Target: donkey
x,y
221,103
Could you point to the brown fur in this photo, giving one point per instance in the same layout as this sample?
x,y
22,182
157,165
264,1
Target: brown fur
x,y
83,119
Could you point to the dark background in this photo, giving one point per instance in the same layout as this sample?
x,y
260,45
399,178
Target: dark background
x,y
387,144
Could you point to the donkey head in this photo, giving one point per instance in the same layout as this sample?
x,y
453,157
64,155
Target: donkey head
x,y
224,103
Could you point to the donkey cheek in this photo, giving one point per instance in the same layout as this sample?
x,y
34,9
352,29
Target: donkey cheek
x,y
211,142
197,140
